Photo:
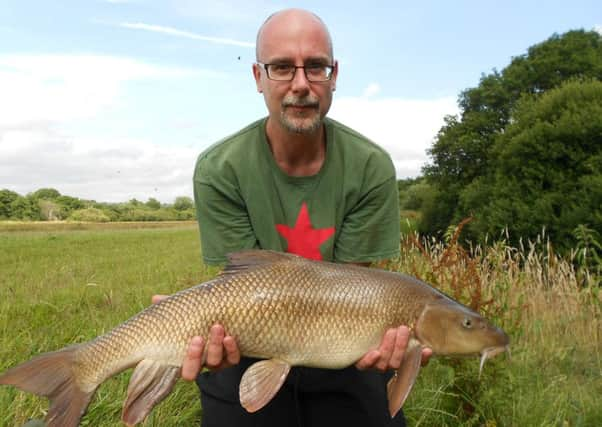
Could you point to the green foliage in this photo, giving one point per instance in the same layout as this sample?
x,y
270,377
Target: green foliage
x,y
45,193
89,215
466,150
548,168
153,203
7,197
48,204
183,203
588,249
25,208
413,195
69,204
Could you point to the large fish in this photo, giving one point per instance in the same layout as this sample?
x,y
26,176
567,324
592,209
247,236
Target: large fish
x,y
282,308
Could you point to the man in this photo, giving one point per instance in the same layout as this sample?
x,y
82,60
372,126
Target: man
x,y
297,182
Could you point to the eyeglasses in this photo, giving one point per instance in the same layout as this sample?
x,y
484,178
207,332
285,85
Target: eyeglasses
x,y
286,72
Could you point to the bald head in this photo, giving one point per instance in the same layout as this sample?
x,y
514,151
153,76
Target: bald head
x,y
297,20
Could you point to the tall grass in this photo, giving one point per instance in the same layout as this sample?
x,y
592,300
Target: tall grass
x,y
554,317
64,286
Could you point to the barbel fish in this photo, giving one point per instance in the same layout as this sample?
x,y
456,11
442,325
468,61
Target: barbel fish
x,y
281,308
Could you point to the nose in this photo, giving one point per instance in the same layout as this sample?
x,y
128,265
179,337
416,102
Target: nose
x,y
300,84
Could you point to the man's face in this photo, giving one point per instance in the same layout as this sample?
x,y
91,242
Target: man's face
x,y
298,105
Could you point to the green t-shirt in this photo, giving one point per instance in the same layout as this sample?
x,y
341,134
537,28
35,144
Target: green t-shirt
x,y
347,212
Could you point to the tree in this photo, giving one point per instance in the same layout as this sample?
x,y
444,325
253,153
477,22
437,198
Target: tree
x,y
89,215
462,155
69,204
182,203
7,197
414,195
153,203
547,170
45,193
25,208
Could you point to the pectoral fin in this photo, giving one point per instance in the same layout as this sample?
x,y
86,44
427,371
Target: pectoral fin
x,y
401,384
260,382
150,383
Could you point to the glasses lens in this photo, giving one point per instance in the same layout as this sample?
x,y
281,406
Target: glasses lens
x,y
281,71
318,73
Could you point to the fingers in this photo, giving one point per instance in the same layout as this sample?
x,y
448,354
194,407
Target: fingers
x,y
402,336
156,298
194,359
386,348
390,353
215,349
232,351
368,360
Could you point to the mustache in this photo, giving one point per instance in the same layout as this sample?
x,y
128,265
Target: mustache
x,y
292,101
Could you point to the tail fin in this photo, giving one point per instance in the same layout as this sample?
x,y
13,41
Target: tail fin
x,y
51,375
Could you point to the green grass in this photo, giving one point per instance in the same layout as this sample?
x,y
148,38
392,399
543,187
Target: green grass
x,y
66,287
69,284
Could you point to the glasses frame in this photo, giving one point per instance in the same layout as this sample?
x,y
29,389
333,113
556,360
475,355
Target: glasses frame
x,y
266,68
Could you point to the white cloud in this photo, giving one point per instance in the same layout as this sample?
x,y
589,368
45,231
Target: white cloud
x,y
404,127
116,170
41,94
186,34
371,90
598,29
59,88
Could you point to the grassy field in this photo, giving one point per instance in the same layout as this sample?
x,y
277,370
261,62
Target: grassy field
x,y
70,283
67,286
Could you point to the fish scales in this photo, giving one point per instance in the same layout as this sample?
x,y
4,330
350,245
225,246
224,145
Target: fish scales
x,y
285,311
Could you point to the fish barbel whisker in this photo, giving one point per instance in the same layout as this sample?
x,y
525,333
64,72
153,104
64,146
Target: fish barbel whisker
x,y
490,352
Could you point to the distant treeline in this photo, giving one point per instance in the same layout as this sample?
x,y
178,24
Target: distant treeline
x,y
47,204
524,154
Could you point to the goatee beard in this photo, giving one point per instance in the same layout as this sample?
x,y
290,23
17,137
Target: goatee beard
x,y
299,124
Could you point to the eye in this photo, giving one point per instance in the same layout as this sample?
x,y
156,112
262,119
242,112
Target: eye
x,y
467,323
281,68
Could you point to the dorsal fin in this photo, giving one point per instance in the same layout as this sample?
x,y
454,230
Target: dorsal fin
x,y
251,258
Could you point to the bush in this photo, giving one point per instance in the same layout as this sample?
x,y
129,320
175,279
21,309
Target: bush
x,y
89,215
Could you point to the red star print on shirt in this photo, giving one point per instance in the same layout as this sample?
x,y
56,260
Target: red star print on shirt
x,y
303,239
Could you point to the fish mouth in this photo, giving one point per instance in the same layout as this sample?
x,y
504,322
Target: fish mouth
x,y
490,352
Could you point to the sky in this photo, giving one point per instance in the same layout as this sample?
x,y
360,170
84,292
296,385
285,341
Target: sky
x,y
114,99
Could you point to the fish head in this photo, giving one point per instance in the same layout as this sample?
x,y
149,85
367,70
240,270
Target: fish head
x,y
449,328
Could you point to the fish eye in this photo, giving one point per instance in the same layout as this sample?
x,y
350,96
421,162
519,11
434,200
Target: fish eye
x,y
467,323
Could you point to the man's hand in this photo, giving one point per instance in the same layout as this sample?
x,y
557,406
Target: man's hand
x,y
222,350
391,351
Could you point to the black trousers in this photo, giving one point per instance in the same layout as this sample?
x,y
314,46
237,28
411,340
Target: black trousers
x,y
309,398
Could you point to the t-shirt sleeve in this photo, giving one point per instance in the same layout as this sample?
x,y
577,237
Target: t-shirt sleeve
x,y
371,230
224,223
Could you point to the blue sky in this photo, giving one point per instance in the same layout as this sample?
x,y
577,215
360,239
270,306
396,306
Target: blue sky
x,y
114,99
